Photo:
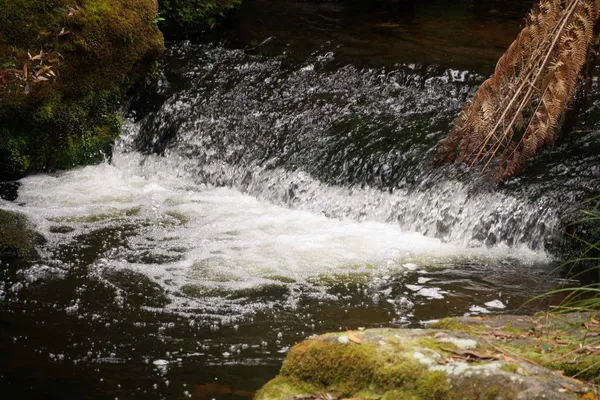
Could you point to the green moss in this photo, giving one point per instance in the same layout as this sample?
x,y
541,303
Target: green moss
x,y
434,385
91,54
59,134
280,387
348,370
512,368
508,328
440,347
450,324
491,393
562,358
191,17
399,394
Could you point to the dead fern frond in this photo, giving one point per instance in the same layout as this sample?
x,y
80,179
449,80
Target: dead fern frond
x,y
518,109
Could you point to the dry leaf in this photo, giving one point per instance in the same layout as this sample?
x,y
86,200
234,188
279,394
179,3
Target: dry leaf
x,y
42,70
589,396
565,385
74,10
63,32
25,72
501,335
353,337
469,354
36,57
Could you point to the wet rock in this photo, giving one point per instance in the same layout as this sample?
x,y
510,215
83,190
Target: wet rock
x,y
415,364
17,239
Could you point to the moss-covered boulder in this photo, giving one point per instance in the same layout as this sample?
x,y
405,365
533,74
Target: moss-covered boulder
x,y
17,239
415,364
64,66
191,17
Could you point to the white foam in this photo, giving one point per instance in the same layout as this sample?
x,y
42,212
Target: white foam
x,y
220,237
495,304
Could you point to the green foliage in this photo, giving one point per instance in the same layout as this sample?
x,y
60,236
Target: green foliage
x,y
191,17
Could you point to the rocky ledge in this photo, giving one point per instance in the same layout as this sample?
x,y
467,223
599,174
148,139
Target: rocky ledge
x,y
500,357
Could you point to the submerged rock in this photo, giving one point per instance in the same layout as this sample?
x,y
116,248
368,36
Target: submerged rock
x,y
17,239
467,363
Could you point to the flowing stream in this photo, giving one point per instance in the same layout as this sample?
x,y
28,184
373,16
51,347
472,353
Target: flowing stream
x,y
272,188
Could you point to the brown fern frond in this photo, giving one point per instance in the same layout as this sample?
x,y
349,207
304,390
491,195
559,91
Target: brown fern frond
x,y
518,109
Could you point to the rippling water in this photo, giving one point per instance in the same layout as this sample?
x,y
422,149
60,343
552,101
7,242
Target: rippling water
x,y
261,195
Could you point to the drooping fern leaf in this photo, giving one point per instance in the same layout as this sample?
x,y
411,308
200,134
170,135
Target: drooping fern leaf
x,y
517,111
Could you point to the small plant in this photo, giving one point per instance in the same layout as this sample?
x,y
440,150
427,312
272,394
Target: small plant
x,y
12,63
192,17
587,263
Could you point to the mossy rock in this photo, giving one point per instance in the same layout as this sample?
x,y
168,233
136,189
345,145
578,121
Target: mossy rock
x,y
562,342
192,17
17,239
64,67
413,364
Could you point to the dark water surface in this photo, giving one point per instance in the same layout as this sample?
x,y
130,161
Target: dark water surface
x,y
277,185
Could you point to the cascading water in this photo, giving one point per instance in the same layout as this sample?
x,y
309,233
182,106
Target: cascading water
x,y
257,198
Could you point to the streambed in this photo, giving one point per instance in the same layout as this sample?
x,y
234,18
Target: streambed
x,y
271,189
